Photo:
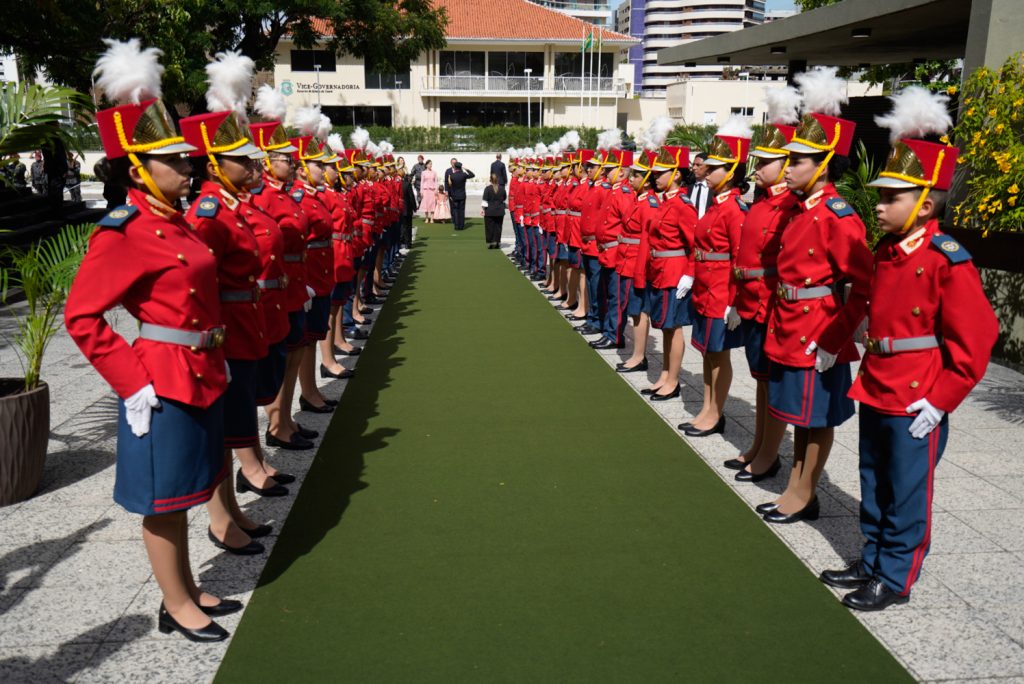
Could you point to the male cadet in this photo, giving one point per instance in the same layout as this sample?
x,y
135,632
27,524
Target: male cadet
x,y
929,336
619,204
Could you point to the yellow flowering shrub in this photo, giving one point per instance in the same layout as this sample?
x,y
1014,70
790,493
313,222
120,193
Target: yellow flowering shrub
x,y
990,134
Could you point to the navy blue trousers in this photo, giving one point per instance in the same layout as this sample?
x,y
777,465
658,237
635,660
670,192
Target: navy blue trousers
x,y
897,478
612,314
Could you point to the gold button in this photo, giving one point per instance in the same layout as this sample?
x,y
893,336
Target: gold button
x,y
860,373
803,338
807,309
191,290
252,279
261,334
771,330
195,321
181,257
914,384
159,233
199,376
195,349
810,252
916,311
238,224
211,249
273,257
255,252
807,281
919,271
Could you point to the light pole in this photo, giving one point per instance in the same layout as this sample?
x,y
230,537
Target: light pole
x,y
316,68
529,122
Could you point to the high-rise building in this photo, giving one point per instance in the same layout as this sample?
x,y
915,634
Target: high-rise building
x,y
664,23
598,12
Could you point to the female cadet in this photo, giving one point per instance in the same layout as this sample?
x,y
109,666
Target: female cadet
x,y
755,273
223,160
670,268
717,240
810,328
145,257
619,204
573,215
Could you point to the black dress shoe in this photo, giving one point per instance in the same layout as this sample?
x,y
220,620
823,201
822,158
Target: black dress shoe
x,y
251,549
853,576
356,334
767,507
260,530
665,397
748,476
684,426
345,374
573,317
717,429
588,330
225,607
875,595
310,408
732,463
648,391
809,512
331,402
296,443
623,368
280,478
306,433
211,632
242,485
365,310
365,321
356,351
607,344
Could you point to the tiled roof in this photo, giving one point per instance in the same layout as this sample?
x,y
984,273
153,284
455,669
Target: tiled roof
x,y
517,20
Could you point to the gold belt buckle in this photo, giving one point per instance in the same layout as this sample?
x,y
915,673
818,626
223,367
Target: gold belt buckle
x,y
283,280
738,273
781,292
256,294
217,337
871,345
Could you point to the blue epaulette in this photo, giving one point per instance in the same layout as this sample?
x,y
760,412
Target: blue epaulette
x,y
207,207
652,201
685,199
626,189
606,186
951,249
118,217
257,190
743,205
297,195
839,207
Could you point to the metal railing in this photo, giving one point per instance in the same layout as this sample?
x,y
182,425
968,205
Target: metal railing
x,y
521,85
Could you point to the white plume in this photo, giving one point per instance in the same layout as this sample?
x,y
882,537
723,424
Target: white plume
x,y
230,78
270,104
307,119
512,153
541,150
128,74
334,142
916,112
386,147
610,139
783,105
324,127
570,141
555,148
822,91
737,126
360,138
373,149
657,133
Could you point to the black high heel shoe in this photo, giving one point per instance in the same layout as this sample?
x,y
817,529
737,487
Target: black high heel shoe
x,y
225,607
211,632
253,548
665,397
306,406
242,485
719,428
345,374
809,512
748,476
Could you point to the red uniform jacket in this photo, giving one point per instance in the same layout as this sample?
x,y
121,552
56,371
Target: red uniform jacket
x,y
547,218
343,217
823,245
648,212
631,229
559,206
618,207
515,200
319,252
759,247
672,231
294,226
362,203
717,232
217,217
273,300
925,284
577,195
593,215
147,258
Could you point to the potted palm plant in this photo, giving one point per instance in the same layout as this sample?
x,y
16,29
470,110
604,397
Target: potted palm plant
x,y
39,276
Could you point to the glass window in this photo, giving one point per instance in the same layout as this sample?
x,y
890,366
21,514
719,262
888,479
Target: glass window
x,y
308,60
385,80
462,63
514,63
359,116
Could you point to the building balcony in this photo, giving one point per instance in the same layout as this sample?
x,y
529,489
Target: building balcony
x,y
522,86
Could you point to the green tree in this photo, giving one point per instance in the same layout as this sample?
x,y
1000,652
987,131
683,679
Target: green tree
x,y
62,38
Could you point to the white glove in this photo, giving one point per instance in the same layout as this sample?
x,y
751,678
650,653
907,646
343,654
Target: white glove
x,y
926,420
138,409
683,288
823,360
860,334
309,302
732,318
227,370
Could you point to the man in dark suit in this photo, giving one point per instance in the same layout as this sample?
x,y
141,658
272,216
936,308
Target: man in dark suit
x,y
448,173
699,192
498,169
457,194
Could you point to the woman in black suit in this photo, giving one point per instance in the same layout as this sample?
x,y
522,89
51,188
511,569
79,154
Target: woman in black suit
x,y
494,212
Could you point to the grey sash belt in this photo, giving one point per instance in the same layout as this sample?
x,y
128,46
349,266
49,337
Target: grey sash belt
x,y
318,244
589,238
574,213
609,245
341,237
274,283
206,339
664,254
701,255
368,222
240,295
294,258
793,294
628,241
560,212
889,345
751,273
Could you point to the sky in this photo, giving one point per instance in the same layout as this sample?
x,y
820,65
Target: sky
x,y
779,5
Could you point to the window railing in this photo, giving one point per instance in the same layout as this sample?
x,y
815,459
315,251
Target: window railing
x,y
523,84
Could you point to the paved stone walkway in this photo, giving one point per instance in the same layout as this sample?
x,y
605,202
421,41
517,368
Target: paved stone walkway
x,y
78,601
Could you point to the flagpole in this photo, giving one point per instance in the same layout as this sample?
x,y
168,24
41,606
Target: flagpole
x,y
583,58
600,45
590,79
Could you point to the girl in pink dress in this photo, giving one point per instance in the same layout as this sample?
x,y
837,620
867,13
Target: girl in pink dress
x,y
428,201
442,212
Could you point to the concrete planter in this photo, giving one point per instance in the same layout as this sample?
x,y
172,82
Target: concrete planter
x,y
24,435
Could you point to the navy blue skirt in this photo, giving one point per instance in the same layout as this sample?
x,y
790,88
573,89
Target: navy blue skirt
x,y
666,311
318,318
753,345
806,398
296,330
240,422
711,335
174,466
575,257
270,374
552,243
342,292
563,252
